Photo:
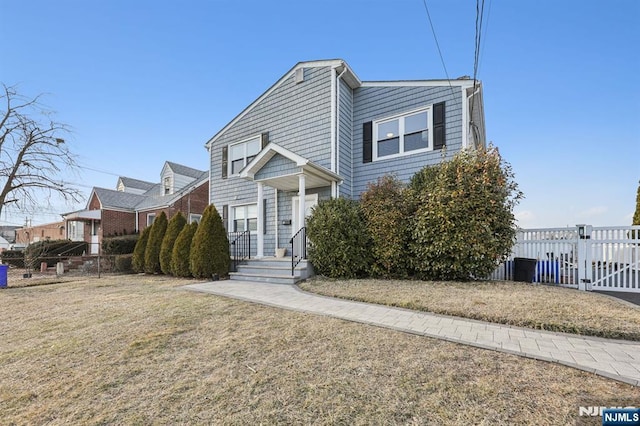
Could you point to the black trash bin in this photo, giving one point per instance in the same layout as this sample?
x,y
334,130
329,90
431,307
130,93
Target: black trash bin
x,y
524,269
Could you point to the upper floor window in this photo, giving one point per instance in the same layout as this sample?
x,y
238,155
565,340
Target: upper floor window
x,y
167,185
402,135
242,153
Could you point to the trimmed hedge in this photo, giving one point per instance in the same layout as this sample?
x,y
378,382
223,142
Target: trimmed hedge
x,y
54,251
119,245
210,247
176,224
154,244
123,264
13,258
137,261
180,263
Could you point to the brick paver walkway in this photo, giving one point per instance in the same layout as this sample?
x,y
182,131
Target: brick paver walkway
x,y
615,359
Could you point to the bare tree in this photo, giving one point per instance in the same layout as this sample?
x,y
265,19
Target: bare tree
x,y
32,153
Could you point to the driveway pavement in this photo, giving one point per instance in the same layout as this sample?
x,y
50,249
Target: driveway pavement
x,y
615,359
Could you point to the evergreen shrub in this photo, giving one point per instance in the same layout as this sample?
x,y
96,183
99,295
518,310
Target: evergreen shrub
x,y
210,247
181,251
154,244
176,224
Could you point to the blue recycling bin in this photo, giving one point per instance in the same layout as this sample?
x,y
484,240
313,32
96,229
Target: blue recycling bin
x,y
3,275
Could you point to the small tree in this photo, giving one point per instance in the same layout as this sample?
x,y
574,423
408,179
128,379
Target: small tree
x,y
340,242
465,226
387,215
181,251
210,248
137,262
176,224
152,252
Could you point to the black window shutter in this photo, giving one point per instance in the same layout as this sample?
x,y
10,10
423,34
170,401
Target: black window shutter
x,y
438,126
225,216
225,153
264,215
367,142
264,139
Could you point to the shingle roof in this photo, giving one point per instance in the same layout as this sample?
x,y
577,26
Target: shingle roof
x,y
184,170
136,183
112,199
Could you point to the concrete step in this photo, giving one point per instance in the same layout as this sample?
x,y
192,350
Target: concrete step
x,y
254,268
273,279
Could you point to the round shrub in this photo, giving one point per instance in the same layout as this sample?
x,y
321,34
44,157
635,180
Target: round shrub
x,y
339,240
385,208
465,225
176,224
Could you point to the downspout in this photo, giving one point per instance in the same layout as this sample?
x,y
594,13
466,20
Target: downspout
x,y
333,124
337,131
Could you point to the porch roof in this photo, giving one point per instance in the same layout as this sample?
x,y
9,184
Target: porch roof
x,y
316,176
83,215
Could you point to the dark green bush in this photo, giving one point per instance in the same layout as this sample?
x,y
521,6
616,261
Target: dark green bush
x,y
387,214
13,258
176,224
154,244
464,226
123,263
210,247
119,245
54,251
137,261
181,251
339,240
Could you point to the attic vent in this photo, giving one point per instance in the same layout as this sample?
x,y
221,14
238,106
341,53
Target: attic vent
x,y
299,75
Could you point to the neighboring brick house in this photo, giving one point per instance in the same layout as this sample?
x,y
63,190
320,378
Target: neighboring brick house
x,y
135,204
34,234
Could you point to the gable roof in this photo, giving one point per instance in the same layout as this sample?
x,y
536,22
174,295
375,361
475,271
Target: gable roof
x,y
340,65
184,170
135,183
119,200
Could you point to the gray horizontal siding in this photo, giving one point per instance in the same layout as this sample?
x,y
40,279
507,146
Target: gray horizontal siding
x,y
374,103
277,166
345,130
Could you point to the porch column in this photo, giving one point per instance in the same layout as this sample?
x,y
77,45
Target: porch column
x,y
301,194
260,251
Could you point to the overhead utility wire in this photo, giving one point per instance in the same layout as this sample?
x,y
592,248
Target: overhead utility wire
x,y
433,31
476,60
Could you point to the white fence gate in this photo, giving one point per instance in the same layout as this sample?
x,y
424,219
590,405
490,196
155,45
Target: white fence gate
x,y
585,257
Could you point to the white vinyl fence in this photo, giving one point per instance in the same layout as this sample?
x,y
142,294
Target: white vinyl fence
x,y
585,257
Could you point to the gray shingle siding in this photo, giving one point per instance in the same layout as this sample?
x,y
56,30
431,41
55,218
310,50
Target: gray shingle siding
x,y
277,166
375,103
345,131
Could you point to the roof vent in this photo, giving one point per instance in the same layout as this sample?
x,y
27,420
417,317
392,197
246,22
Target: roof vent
x,y
299,75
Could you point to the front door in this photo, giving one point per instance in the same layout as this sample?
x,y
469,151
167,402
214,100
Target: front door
x,y
95,244
310,201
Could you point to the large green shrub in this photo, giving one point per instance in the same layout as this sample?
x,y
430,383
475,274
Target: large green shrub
x,y
176,224
386,210
339,240
181,251
53,251
125,244
152,252
122,263
137,262
210,247
465,225
13,258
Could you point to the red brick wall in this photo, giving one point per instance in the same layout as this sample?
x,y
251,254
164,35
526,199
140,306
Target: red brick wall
x,y
195,202
115,222
52,231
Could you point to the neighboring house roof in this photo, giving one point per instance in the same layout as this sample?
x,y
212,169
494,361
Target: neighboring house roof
x,y
153,201
136,183
112,199
184,170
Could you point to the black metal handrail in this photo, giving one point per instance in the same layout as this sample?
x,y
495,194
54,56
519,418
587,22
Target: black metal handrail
x,y
300,240
239,248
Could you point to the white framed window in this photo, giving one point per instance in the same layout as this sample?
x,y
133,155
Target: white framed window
x,y
243,218
167,185
150,218
402,134
240,154
75,230
194,217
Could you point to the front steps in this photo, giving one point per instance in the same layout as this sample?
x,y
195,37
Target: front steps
x,y
271,270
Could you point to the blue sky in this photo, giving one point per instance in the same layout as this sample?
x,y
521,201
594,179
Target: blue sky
x,y
142,82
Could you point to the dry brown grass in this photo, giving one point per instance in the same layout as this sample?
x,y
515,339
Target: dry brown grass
x,y
140,350
525,305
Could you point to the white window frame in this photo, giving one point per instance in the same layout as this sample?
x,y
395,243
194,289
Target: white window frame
x,y
151,217
232,217
246,143
400,118
193,217
166,183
